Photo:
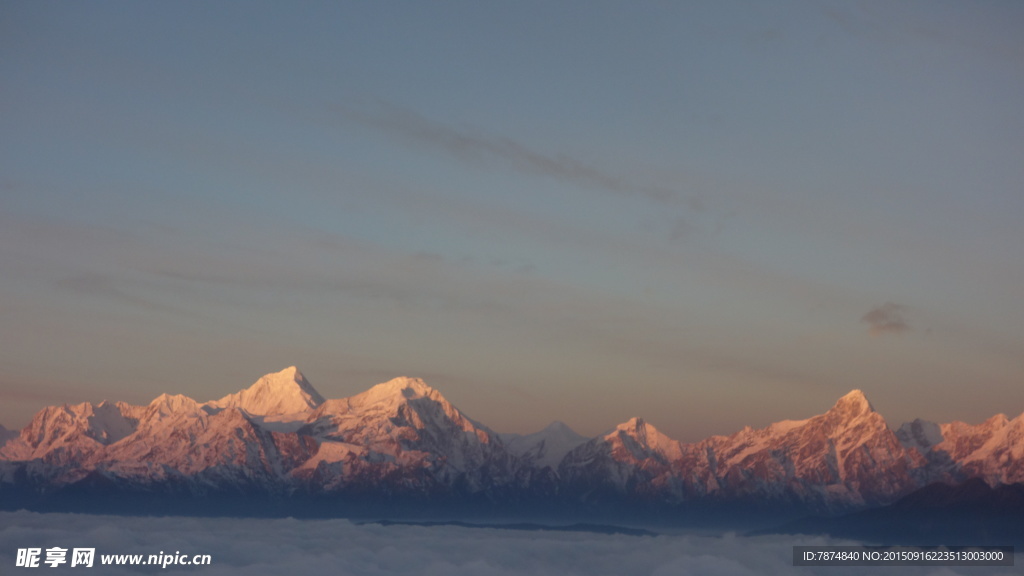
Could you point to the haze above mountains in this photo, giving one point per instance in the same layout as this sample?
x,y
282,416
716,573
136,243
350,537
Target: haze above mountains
x,y
403,440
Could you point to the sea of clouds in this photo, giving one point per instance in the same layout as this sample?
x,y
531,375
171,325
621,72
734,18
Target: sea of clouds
x,y
290,546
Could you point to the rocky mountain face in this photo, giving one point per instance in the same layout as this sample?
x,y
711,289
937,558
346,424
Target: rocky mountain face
x,y
845,458
992,450
403,439
404,435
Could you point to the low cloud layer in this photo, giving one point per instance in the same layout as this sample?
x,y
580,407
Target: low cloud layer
x,y
888,318
290,546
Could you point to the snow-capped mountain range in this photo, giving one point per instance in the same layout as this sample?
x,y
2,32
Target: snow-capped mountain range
x,y
280,437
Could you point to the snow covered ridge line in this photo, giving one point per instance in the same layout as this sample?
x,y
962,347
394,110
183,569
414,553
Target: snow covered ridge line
x,y
402,440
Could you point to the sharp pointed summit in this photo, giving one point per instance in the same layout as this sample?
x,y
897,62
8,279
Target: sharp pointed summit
x,y
644,440
642,430
284,392
853,404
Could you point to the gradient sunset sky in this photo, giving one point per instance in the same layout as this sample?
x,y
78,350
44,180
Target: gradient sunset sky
x,y
707,214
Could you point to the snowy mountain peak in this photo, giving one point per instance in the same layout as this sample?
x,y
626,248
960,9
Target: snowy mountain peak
x,y
643,437
170,403
404,386
853,404
404,383
638,428
284,392
385,398
997,421
634,424
292,374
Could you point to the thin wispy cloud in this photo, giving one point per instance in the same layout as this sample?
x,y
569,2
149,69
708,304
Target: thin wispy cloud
x,y
471,146
889,318
893,24
101,286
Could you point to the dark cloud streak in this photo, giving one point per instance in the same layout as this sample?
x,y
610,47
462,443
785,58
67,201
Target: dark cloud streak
x,y
886,319
468,146
100,286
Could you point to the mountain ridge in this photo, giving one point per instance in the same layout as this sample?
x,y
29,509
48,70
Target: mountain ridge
x,y
402,438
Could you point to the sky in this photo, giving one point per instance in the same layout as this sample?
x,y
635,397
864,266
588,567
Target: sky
x,y
338,546
705,214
